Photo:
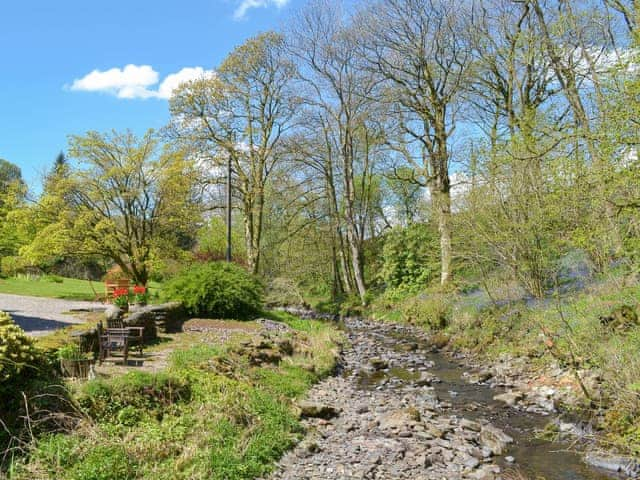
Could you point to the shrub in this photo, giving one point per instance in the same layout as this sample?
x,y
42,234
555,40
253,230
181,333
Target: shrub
x,y
431,311
410,256
12,266
145,392
216,290
105,462
17,350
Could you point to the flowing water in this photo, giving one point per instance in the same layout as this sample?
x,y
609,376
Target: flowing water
x,y
535,457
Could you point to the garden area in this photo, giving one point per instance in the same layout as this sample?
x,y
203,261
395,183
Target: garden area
x,y
211,396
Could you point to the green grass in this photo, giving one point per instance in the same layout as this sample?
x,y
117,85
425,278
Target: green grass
x,y
52,287
192,421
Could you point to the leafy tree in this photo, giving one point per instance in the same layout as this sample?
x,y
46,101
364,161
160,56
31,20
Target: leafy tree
x,y
128,199
410,257
242,114
9,174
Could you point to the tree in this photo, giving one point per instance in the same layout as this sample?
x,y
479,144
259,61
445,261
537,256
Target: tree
x,y
130,200
9,174
242,113
419,48
339,92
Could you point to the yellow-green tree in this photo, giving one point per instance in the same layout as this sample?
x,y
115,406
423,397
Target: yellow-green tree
x,y
130,200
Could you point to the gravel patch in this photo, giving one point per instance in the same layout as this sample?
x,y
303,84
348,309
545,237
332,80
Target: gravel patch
x,y
39,316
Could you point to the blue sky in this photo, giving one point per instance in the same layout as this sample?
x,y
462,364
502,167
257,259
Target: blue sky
x,y
63,65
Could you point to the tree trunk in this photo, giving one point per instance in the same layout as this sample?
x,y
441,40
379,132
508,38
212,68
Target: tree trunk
x,y
442,206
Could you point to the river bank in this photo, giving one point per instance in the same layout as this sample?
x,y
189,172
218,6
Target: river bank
x,y
400,409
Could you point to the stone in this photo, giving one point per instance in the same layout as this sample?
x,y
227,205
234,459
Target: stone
x,y
494,439
310,409
470,425
399,419
511,398
378,363
615,463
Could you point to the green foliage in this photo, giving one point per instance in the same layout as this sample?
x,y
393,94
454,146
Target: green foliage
x,y
410,257
431,311
72,351
236,456
284,292
146,392
17,351
212,241
290,381
105,462
216,290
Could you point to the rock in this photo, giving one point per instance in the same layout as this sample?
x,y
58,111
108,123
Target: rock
x,y
509,459
494,439
310,409
615,463
378,363
399,419
113,313
510,398
470,425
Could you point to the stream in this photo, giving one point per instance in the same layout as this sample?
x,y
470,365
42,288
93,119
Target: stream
x,y
405,411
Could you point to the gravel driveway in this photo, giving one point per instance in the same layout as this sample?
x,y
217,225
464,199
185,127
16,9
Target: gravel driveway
x,y
39,316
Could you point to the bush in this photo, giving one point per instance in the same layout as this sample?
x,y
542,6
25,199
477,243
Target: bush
x,y
410,257
105,462
216,290
135,391
17,350
12,266
431,311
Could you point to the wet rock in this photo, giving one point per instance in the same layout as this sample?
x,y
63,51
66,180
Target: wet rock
x,y
494,439
615,463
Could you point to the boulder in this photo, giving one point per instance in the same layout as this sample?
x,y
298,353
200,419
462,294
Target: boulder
x,y
510,398
378,363
309,409
399,419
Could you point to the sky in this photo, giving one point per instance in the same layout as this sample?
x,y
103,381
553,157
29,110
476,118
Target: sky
x,y
70,66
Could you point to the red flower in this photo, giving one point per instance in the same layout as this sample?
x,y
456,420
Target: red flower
x,y
139,290
120,292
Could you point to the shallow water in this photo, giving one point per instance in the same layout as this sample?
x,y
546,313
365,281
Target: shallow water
x,y
539,459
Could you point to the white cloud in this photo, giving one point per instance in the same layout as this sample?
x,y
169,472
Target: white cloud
x,y
131,81
172,81
136,81
246,5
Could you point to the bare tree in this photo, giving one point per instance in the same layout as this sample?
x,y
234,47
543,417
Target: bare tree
x,y
421,49
340,91
242,113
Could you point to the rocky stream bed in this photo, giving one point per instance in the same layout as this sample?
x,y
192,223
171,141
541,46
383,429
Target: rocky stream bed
x,y
398,409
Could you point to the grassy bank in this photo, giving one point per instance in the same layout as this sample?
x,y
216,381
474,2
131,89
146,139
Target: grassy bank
x,y
51,286
212,413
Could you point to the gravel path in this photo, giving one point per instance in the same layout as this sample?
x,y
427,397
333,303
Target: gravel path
x,y
39,316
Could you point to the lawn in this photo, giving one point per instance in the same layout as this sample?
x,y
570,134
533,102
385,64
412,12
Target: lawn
x,y
57,287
